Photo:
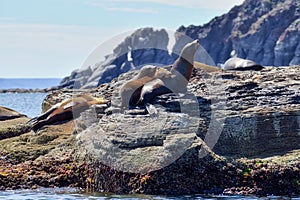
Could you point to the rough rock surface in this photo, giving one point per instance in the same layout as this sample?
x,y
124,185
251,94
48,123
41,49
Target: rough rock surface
x,y
13,127
7,113
233,132
144,46
257,111
253,114
265,31
260,110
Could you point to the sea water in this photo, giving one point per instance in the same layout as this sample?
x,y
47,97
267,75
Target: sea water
x,y
28,83
25,103
29,104
75,194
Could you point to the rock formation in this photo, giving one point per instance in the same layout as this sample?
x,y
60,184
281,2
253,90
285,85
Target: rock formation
x,y
7,113
266,32
144,46
12,123
235,132
239,106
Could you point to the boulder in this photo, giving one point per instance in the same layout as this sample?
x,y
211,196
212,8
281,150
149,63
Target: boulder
x,y
12,123
7,113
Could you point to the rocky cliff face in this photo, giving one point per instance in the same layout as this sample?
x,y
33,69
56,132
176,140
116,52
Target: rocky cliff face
x,y
144,46
265,31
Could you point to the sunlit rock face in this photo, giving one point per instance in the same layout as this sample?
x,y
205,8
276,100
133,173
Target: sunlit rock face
x,y
144,46
266,32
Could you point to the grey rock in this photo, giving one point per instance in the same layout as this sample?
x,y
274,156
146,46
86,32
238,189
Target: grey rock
x,y
7,113
145,46
241,113
198,141
266,32
287,49
76,79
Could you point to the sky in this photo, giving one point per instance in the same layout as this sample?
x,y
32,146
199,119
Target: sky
x,y
51,38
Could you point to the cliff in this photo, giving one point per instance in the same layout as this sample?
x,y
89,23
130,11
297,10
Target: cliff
x,y
144,46
232,133
266,32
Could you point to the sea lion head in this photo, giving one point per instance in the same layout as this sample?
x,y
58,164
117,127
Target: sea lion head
x,y
189,50
147,70
185,62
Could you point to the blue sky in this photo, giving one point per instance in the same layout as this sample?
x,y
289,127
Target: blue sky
x,y
50,38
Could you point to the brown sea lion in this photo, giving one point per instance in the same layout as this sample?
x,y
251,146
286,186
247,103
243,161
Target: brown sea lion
x,y
7,114
206,68
181,70
65,110
130,91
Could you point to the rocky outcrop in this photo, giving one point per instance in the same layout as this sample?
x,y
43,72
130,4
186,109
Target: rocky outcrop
x,y
144,46
266,32
7,113
254,112
20,90
13,127
234,131
225,115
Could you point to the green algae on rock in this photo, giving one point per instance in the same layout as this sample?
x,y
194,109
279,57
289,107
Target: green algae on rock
x,y
256,149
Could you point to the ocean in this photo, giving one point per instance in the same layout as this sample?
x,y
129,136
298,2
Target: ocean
x,y
28,83
75,194
25,103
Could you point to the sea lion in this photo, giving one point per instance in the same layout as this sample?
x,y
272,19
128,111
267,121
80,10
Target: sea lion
x,y
241,64
158,79
206,68
181,73
130,91
7,114
65,110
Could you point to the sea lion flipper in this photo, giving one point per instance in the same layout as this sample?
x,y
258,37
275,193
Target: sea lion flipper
x,y
38,125
151,90
151,109
42,116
